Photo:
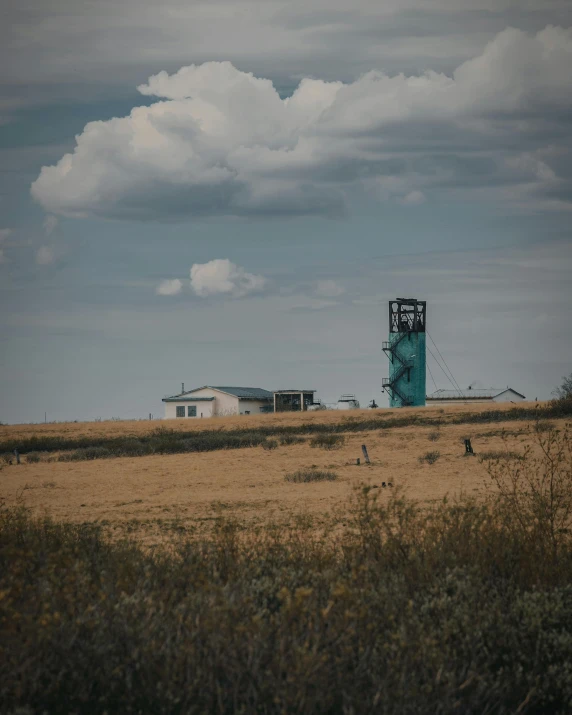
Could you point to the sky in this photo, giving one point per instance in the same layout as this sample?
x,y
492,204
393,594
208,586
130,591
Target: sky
x,y
230,193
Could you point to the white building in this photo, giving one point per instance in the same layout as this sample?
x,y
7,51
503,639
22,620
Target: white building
x,y
472,395
211,401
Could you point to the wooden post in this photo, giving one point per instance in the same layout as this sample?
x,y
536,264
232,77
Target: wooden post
x,y
468,447
358,462
365,454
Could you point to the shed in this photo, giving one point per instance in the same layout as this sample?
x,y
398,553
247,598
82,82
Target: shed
x,y
471,395
293,400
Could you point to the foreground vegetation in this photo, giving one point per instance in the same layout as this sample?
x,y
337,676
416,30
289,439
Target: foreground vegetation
x,y
325,435
396,609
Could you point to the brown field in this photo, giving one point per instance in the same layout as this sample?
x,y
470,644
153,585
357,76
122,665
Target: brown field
x,y
155,495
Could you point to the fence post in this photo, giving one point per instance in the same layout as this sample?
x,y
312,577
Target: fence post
x,y
468,447
17,455
365,454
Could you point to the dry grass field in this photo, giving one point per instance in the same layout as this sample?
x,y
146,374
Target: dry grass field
x,y
248,586
153,496
136,427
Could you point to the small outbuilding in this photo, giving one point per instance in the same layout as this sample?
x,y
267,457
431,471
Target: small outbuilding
x,y
472,395
293,400
209,401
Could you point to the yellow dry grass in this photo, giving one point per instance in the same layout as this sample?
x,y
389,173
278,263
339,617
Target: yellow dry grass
x,y
152,495
137,427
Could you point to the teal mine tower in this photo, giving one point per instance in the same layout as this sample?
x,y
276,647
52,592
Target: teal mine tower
x,y
406,352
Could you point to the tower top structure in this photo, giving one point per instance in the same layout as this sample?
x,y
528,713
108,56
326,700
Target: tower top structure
x,y
407,315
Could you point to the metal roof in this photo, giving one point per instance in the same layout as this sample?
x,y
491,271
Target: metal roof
x,y
287,392
472,394
182,398
244,393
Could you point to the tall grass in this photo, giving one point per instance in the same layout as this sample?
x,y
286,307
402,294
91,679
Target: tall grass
x,y
463,608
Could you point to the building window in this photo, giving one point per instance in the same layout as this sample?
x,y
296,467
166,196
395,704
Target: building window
x,y
192,411
180,411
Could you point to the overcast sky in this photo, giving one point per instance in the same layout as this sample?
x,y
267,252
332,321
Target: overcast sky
x,y
230,192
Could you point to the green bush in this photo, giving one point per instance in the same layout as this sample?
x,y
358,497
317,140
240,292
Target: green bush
x,y
311,475
328,441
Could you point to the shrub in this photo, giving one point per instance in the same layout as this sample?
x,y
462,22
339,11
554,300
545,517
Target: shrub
x,y
287,439
311,475
564,391
543,426
537,490
86,453
434,436
401,610
33,457
430,457
501,454
328,441
270,444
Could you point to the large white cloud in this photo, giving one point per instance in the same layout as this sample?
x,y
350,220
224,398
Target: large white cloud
x,y
222,277
223,142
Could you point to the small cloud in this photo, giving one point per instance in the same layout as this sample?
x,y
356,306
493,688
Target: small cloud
x,y
4,234
50,223
169,287
222,277
307,305
413,198
329,289
45,256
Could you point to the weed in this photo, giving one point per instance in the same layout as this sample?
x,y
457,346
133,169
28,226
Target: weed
x,y
430,457
311,475
544,426
85,453
496,455
328,441
536,490
288,439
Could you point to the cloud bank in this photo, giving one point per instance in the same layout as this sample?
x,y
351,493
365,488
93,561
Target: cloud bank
x,y
222,277
222,142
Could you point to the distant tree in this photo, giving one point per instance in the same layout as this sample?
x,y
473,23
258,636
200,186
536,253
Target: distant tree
x,y
564,392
